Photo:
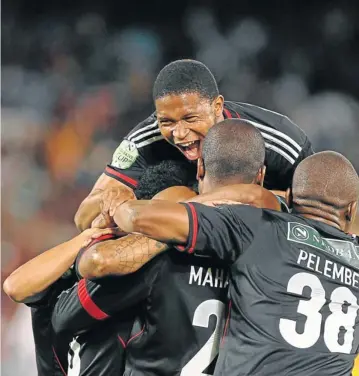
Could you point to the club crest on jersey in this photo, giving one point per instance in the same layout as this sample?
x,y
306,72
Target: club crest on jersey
x,y
125,155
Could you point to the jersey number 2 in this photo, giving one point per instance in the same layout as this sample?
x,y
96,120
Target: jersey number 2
x,y
338,327
210,349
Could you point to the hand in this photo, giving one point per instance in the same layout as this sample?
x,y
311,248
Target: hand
x,y
93,233
112,198
103,220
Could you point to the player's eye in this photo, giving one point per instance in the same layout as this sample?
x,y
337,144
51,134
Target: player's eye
x,y
164,123
191,119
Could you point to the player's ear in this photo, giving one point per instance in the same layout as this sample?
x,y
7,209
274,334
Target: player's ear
x,y
289,197
350,215
200,169
218,105
260,176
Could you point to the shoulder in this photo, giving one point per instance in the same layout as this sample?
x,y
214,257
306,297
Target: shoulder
x,y
270,123
148,124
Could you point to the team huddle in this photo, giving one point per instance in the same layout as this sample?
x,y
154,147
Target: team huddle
x,y
216,242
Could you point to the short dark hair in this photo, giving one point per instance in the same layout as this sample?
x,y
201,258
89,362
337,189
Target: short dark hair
x,y
166,174
233,148
185,76
325,179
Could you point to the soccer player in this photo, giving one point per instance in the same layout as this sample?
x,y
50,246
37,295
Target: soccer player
x,y
38,283
294,278
188,104
183,296
102,351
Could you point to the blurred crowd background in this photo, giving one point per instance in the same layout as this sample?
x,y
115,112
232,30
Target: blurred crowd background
x,y
77,76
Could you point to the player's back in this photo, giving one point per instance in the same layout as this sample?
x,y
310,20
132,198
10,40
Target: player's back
x,y
184,319
295,301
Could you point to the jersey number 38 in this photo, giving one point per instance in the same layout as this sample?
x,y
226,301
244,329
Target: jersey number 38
x,y
338,332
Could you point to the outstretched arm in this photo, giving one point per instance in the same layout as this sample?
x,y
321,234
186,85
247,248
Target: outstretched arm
x,y
118,257
161,220
130,253
42,271
223,232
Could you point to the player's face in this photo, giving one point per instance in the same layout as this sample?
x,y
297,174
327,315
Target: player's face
x,y
185,119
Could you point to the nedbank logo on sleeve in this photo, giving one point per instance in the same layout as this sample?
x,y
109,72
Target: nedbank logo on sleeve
x,y
303,234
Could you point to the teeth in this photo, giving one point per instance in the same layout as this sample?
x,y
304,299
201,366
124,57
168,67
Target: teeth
x,y
188,144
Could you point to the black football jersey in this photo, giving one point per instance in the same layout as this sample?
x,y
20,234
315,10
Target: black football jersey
x,y
50,350
183,303
101,351
293,287
286,146
97,353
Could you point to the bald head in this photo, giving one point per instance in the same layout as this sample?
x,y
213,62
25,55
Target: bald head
x,y
233,148
325,180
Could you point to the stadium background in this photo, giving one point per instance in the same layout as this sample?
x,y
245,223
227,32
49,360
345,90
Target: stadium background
x,y
77,75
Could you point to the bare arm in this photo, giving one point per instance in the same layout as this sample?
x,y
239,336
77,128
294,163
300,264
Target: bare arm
x,y
118,257
128,254
42,271
90,208
161,220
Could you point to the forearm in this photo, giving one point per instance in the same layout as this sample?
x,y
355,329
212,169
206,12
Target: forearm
x,y
89,209
118,257
160,220
42,271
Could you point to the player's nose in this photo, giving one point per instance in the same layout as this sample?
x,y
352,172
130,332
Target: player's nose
x,y
180,132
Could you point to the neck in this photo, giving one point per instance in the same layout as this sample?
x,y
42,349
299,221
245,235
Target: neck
x,y
319,215
211,185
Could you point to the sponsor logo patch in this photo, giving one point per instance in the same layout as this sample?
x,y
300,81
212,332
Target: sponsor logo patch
x,y
125,155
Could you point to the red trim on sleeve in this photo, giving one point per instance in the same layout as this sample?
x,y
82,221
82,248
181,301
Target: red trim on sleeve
x,y
238,116
194,229
88,304
227,113
123,343
121,176
101,239
58,361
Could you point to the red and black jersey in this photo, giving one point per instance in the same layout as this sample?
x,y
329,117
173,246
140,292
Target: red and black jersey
x,y
91,353
294,290
286,146
50,351
183,301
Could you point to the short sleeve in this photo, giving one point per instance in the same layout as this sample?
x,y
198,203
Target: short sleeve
x,y
224,232
46,297
88,302
133,155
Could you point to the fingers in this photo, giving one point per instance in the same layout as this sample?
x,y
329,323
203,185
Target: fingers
x,y
98,222
114,197
97,233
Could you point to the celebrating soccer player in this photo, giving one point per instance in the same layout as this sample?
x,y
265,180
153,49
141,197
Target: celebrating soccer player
x,y
183,297
294,278
188,104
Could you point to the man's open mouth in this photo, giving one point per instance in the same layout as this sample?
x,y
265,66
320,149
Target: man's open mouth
x,y
190,149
